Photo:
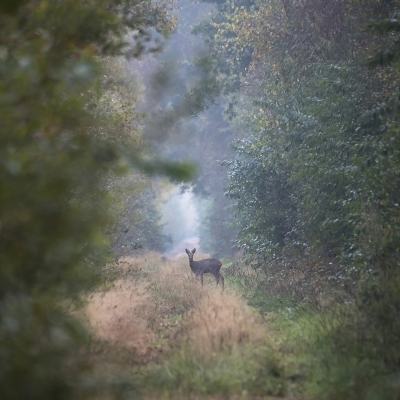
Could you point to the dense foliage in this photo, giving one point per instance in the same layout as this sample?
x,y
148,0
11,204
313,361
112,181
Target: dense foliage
x,y
66,132
313,96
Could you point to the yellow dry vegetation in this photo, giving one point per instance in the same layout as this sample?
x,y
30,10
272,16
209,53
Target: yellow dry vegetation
x,y
221,322
113,318
184,340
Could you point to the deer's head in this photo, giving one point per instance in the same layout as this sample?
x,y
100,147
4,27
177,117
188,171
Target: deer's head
x,y
190,254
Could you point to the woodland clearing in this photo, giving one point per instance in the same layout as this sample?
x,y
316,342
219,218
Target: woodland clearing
x,y
176,339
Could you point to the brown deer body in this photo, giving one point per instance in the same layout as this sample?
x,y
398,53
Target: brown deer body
x,y
206,266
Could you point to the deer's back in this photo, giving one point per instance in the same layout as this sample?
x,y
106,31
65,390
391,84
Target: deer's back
x,y
207,265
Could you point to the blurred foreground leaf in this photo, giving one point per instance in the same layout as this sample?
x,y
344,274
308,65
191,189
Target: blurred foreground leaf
x,y
58,151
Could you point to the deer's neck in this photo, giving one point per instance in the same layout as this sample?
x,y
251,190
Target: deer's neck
x,y
192,265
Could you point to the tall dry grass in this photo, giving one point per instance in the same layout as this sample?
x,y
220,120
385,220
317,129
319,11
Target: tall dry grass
x,y
217,345
175,286
149,296
190,340
114,314
221,322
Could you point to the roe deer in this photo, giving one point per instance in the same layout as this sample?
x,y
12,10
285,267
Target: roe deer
x,y
207,266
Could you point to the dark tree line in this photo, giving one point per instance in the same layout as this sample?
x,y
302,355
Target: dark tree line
x,y
311,91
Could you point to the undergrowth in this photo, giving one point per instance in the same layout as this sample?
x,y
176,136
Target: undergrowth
x,y
218,344
183,341
326,344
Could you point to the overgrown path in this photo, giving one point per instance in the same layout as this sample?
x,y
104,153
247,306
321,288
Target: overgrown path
x,y
178,340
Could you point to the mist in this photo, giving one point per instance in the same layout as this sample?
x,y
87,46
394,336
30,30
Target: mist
x,y
177,127
180,221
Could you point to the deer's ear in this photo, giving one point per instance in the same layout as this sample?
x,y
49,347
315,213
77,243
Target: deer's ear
x,y
187,251
194,250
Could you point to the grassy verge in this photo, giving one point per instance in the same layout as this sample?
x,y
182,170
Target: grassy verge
x,y
176,339
172,339
220,347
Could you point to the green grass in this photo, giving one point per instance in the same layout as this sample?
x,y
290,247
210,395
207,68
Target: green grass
x,y
251,369
321,348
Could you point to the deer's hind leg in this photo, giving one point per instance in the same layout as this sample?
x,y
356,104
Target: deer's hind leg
x,y
219,277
